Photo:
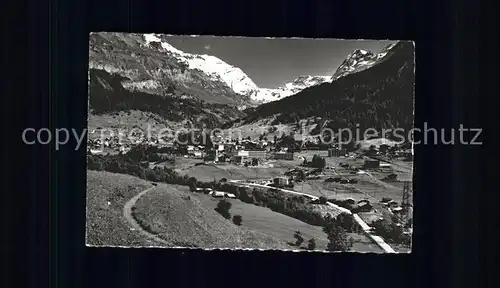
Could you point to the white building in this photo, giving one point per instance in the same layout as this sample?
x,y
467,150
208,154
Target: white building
x,y
217,194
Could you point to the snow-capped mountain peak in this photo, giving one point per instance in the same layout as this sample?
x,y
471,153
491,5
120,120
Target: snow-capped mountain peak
x,y
359,60
234,77
288,89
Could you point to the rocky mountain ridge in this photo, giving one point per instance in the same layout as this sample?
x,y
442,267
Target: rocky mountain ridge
x,y
378,95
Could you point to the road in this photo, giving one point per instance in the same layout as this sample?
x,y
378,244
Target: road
x,y
366,228
127,213
355,188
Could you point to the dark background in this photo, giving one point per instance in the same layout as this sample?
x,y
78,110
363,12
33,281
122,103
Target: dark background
x,y
46,57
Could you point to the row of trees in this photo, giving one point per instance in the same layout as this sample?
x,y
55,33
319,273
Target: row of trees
x,y
391,230
132,164
316,162
311,244
338,239
223,208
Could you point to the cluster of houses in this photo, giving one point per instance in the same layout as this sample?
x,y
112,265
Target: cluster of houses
x,y
392,151
246,152
122,143
97,145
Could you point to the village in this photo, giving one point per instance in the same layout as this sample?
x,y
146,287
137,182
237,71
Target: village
x,y
315,169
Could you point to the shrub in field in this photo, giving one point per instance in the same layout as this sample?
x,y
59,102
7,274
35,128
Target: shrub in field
x,y
298,238
322,200
237,219
223,208
337,238
347,222
192,186
245,196
409,223
391,231
311,244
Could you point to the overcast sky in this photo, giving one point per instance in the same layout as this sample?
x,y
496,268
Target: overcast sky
x,y
273,62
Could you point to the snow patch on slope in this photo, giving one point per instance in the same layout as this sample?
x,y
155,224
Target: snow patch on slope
x,y
359,60
291,88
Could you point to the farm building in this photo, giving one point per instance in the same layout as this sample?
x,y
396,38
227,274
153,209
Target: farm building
x,y
246,160
226,147
396,209
221,158
322,153
283,155
335,152
217,194
282,181
198,154
369,163
251,154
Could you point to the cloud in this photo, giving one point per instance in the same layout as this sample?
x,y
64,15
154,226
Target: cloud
x,y
207,47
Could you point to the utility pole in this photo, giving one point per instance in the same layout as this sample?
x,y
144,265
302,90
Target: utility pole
x,y
405,202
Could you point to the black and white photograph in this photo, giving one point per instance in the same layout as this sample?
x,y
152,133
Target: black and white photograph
x,y
208,142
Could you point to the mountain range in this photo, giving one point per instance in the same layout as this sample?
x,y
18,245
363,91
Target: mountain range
x,y
144,72
367,91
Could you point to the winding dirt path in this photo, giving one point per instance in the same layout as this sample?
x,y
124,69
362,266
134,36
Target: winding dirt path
x,y
127,213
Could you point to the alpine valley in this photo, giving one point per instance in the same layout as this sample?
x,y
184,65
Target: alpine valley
x,y
136,78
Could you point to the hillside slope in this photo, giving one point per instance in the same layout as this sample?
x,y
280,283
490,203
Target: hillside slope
x,y
148,67
185,222
107,193
108,94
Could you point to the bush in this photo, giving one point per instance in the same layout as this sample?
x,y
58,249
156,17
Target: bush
x,y
192,186
298,238
347,222
337,237
237,219
223,208
409,223
239,191
322,200
311,244
152,176
391,231
385,199
246,197
318,162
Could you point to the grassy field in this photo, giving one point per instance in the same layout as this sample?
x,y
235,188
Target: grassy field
x,y
281,226
129,120
369,184
269,222
231,171
107,193
184,220
167,212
